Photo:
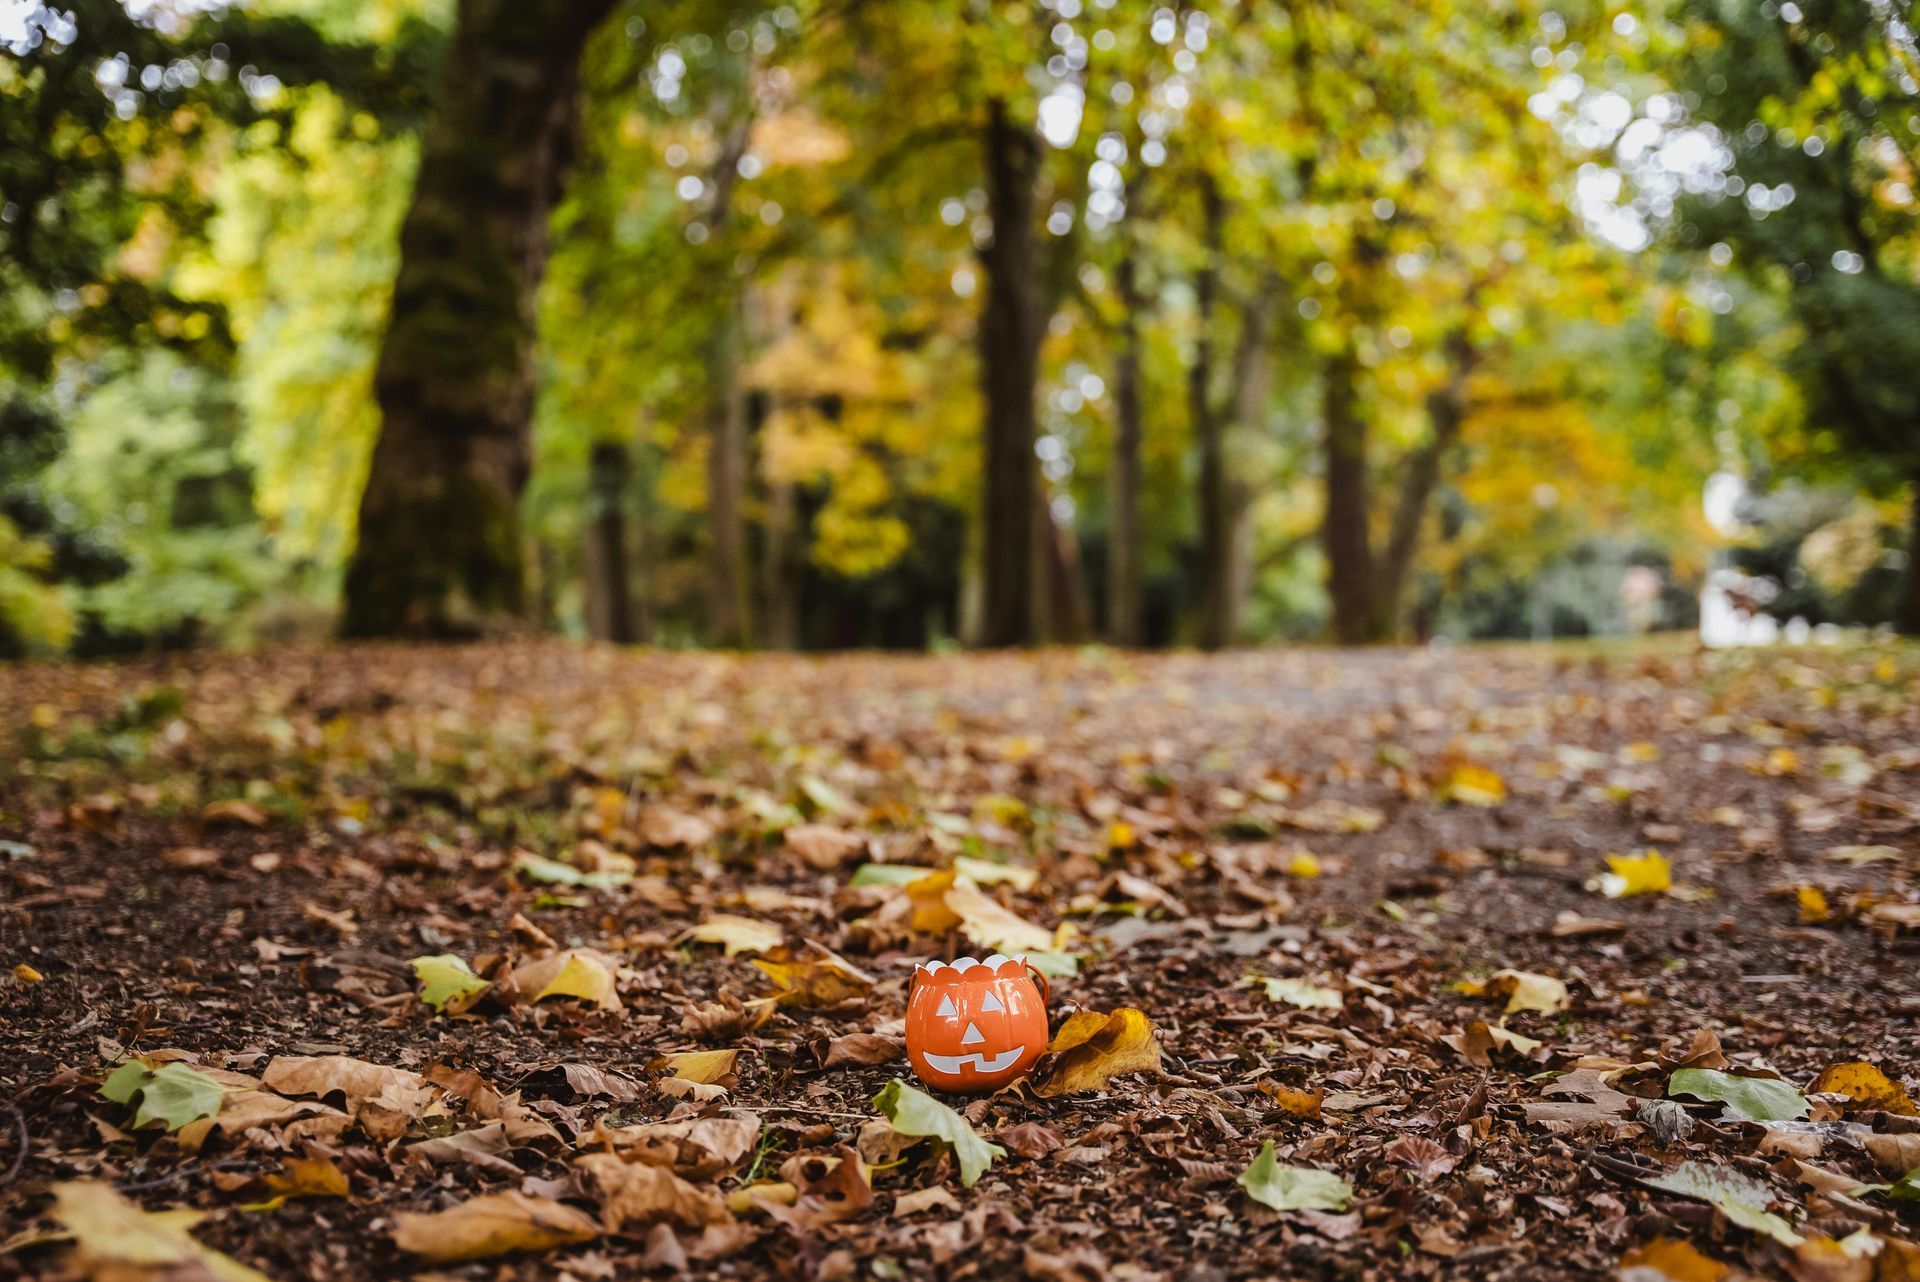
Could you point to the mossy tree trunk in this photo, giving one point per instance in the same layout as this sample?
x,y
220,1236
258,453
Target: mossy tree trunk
x,y
439,550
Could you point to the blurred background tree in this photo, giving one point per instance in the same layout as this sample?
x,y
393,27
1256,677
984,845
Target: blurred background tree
x,y
839,323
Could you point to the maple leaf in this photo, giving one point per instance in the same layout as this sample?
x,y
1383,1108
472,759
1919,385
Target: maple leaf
x,y
912,1112
1293,1188
173,1093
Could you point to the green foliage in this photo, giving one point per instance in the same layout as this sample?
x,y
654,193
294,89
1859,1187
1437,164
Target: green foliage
x,y
1752,1099
446,980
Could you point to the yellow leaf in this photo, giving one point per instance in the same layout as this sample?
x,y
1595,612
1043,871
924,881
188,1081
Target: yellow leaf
x,y
825,979
704,1067
303,1177
1124,1042
1525,990
572,972
1119,835
989,925
1866,1085
736,934
113,1238
1298,992
26,974
1782,761
1474,786
1642,751
931,916
1813,904
1304,864
1646,874
1299,1103
496,1224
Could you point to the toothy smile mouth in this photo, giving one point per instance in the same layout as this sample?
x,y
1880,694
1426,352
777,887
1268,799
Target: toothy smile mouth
x,y
952,1064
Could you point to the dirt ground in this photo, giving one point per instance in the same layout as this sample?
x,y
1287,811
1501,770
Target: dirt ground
x,y
228,864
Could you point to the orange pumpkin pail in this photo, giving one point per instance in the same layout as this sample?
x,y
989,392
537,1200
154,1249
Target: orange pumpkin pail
x,y
974,1026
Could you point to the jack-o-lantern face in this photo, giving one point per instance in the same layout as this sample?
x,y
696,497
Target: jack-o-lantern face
x,y
975,1025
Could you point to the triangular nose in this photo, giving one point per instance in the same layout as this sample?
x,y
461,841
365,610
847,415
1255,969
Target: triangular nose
x,y
973,1036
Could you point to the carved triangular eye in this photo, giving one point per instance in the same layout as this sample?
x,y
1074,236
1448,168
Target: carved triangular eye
x,y
992,1002
947,1007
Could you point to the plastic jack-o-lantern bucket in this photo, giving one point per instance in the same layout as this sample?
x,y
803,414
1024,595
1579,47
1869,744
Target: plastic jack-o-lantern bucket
x,y
975,1025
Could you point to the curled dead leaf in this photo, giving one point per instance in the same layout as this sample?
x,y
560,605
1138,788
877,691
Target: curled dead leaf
x,y
1091,1049
494,1224
638,1192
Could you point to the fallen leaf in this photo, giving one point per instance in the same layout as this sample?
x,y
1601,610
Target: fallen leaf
x,y
301,1177
1646,874
1861,854
817,981
573,972
735,934
1473,786
697,1148
639,1192
887,875
704,1067
1293,1188
27,974
1739,1197
173,1093
990,926
493,1224
1305,1104
1752,1099
1090,1050
243,814
989,872
912,1112
190,857
554,873
862,1050
1669,1260
1527,991
936,1198
447,983
1030,1139
384,1101
823,845
116,1240
1866,1085
667,829
1481,1043
1298,992
1814,908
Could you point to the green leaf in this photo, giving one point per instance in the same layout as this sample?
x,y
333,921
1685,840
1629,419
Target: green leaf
x,y
889,874
1293,1188
1904,1189
912,1112
539,868
447,980
173,1093
1740,1199
824,795
1054,965
1751,1099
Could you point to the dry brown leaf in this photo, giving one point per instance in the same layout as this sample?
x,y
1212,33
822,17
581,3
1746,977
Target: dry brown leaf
x,y
828,1190
823,845
816,980
190,857
494,1224
668,829
704,1067
936,1198
384,1101
1030,1139
1084,1057
641,1193
863,1050
727,1019
698,1148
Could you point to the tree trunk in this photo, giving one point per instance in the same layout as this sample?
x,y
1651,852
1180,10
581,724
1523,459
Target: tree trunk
x,y
1910,616
1446,410
780,569
1009,363
609,598
1123,538
439,541
727,584
1252,383
1343,530
1209,433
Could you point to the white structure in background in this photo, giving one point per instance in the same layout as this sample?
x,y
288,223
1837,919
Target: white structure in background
x,y
1731,603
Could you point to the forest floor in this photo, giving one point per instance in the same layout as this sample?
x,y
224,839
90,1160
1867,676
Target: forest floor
x,y
1358,898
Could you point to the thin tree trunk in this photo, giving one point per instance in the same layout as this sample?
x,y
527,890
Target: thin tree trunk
x,y
1910,619
1123,539
609,599
439,541
1009,362
1446,411
727,605
781,571
1252,381
641,593
1209,431
1343,530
